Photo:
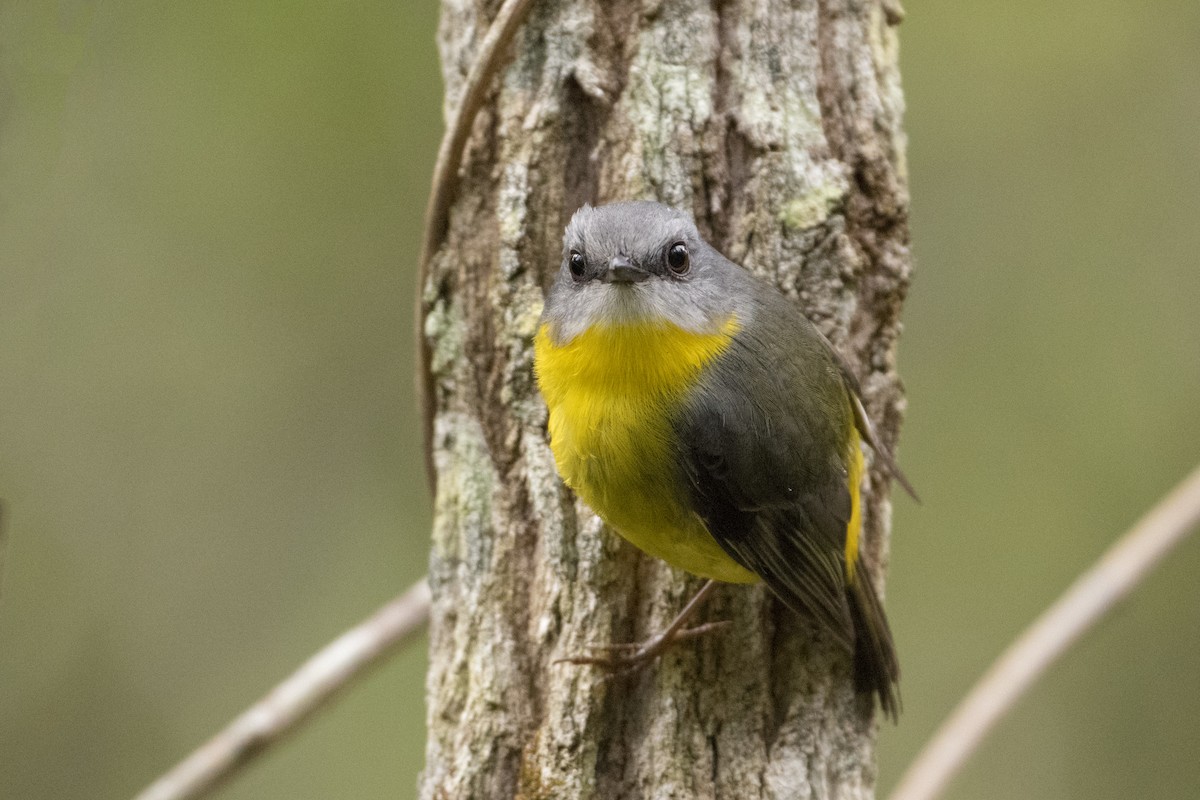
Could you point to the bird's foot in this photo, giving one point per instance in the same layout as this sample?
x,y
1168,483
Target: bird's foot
x,y
622,659
633,656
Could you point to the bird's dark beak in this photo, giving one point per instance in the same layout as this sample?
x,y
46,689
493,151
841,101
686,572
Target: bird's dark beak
x,y
622,270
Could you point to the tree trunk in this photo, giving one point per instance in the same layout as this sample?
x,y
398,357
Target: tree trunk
x,y
776,123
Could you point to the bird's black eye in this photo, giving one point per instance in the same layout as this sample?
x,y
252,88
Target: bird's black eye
x,y
677,259
576,264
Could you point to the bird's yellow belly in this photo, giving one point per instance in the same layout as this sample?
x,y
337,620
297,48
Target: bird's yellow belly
x,y
610,393
618,462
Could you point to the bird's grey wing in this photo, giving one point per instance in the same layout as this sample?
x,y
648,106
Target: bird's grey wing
x,y
769,482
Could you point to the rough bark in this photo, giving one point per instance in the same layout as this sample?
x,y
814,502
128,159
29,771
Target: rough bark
x,y
777,124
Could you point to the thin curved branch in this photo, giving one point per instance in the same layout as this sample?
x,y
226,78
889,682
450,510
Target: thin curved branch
x,y
290,703
311,686
445,177
1092,595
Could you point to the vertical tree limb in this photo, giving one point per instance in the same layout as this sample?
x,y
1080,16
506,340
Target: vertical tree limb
x,y
777,124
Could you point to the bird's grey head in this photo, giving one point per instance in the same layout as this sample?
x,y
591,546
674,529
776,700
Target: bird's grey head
x,y
637,262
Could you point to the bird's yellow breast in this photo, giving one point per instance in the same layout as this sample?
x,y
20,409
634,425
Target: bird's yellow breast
x,y
611,392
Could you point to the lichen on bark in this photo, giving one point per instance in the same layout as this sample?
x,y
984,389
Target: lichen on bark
x,y
776,123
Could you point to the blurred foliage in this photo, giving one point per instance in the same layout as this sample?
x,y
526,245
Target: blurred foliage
x,y
209,217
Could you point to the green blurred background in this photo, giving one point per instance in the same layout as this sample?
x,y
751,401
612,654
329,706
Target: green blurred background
x,y
209,216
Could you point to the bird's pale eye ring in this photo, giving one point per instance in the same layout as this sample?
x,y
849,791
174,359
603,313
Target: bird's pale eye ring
x,y
577,265
677,259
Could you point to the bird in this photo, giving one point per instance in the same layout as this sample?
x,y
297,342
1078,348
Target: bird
x,y
706,420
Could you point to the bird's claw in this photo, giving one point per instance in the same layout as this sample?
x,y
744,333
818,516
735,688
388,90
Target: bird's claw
x,y
628,657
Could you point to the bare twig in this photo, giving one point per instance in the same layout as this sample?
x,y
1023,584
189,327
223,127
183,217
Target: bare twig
x,y
293,701
351,654
445,175
1092,595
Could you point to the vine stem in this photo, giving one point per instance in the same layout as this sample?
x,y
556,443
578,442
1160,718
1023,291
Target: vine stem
x,y
445,178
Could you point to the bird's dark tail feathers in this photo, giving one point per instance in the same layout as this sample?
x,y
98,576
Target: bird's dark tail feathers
x,y
876,668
